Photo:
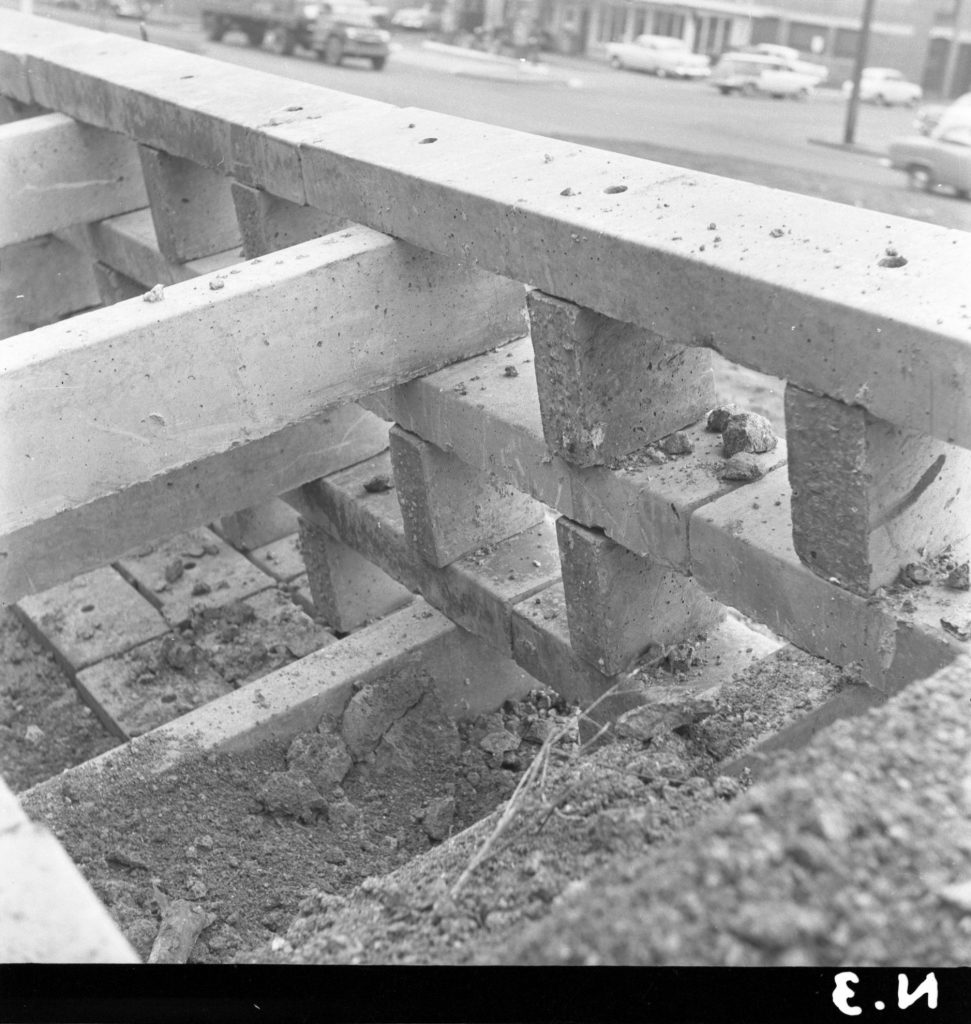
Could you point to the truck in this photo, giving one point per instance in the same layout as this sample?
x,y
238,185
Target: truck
x,y
280,25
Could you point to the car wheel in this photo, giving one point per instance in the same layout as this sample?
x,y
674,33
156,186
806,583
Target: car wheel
x,y
749,89
661,73
724,90
255,34
333,50
920,178
378,62
281,41
802,94
616,62
882,100
962,193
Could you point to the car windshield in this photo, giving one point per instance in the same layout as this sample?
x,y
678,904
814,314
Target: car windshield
x,y
358,17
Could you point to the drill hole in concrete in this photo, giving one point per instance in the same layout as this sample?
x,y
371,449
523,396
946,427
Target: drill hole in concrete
x,y
87,607
424,142
612,190
188,565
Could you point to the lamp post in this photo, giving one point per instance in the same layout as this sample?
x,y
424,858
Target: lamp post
x,y
950,68
862,45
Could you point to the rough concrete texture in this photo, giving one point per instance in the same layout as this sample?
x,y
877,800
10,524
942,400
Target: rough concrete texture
x,y
254,528
347,589
281,558
377,706
869,497
93,617
747,432
449,508
619,603
268,223
607,388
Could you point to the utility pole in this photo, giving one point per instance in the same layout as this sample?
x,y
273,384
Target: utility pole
x,y
950,68
862,46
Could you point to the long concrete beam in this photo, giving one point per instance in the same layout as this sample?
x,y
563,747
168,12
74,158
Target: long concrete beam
x,y
797,287
112,414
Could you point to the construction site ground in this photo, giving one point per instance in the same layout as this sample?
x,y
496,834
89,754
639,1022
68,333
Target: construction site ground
x,y
513,837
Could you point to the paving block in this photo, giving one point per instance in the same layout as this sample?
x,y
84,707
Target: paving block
x,y
257,635
50,914
191,571
619,603
282,559
138,691
192,207
448,507
268,223
348,590
742,554
92,617
253,528
607,388
869,497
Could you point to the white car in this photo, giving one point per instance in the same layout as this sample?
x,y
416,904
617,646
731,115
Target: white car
x,y
886,86
750,74
792,57
942,159
663,56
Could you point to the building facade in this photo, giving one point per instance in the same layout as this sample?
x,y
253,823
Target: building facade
x,y
914,36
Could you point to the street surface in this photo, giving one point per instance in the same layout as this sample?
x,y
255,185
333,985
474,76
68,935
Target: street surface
x,y
685,123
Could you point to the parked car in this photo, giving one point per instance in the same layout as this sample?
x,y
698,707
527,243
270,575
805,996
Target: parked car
x,y
943,158
349,30
663,56
417,19
886,86
749,74
792,57
930,116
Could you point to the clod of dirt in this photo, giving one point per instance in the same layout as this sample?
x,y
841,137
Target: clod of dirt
x,y
372,711
958,578
718,418
324,759
677,443
962,632
155,295
914,575
510,371
378,484
748,432
743,466
174,571
291,794
667,709
499,742
776,233
438,817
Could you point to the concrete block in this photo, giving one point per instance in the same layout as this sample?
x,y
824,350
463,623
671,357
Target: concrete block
x,y
491,421
869,497
192,207
42,281
743,555
50,914
113,286
448,507
476,591
95,616
194,570
541,645
281,559
607,388
348,590
619,603
257,527
267,222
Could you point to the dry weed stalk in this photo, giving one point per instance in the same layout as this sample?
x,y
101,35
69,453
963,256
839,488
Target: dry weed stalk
x,y
536,769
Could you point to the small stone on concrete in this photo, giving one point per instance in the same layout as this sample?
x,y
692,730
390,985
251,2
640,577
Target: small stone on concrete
x,y
718,418
438,817
677,443
291,794
748,432
743,466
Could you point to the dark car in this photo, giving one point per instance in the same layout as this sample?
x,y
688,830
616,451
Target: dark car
x,y
350,30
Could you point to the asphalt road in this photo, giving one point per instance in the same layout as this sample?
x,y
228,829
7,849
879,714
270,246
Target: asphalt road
x,y
684,123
